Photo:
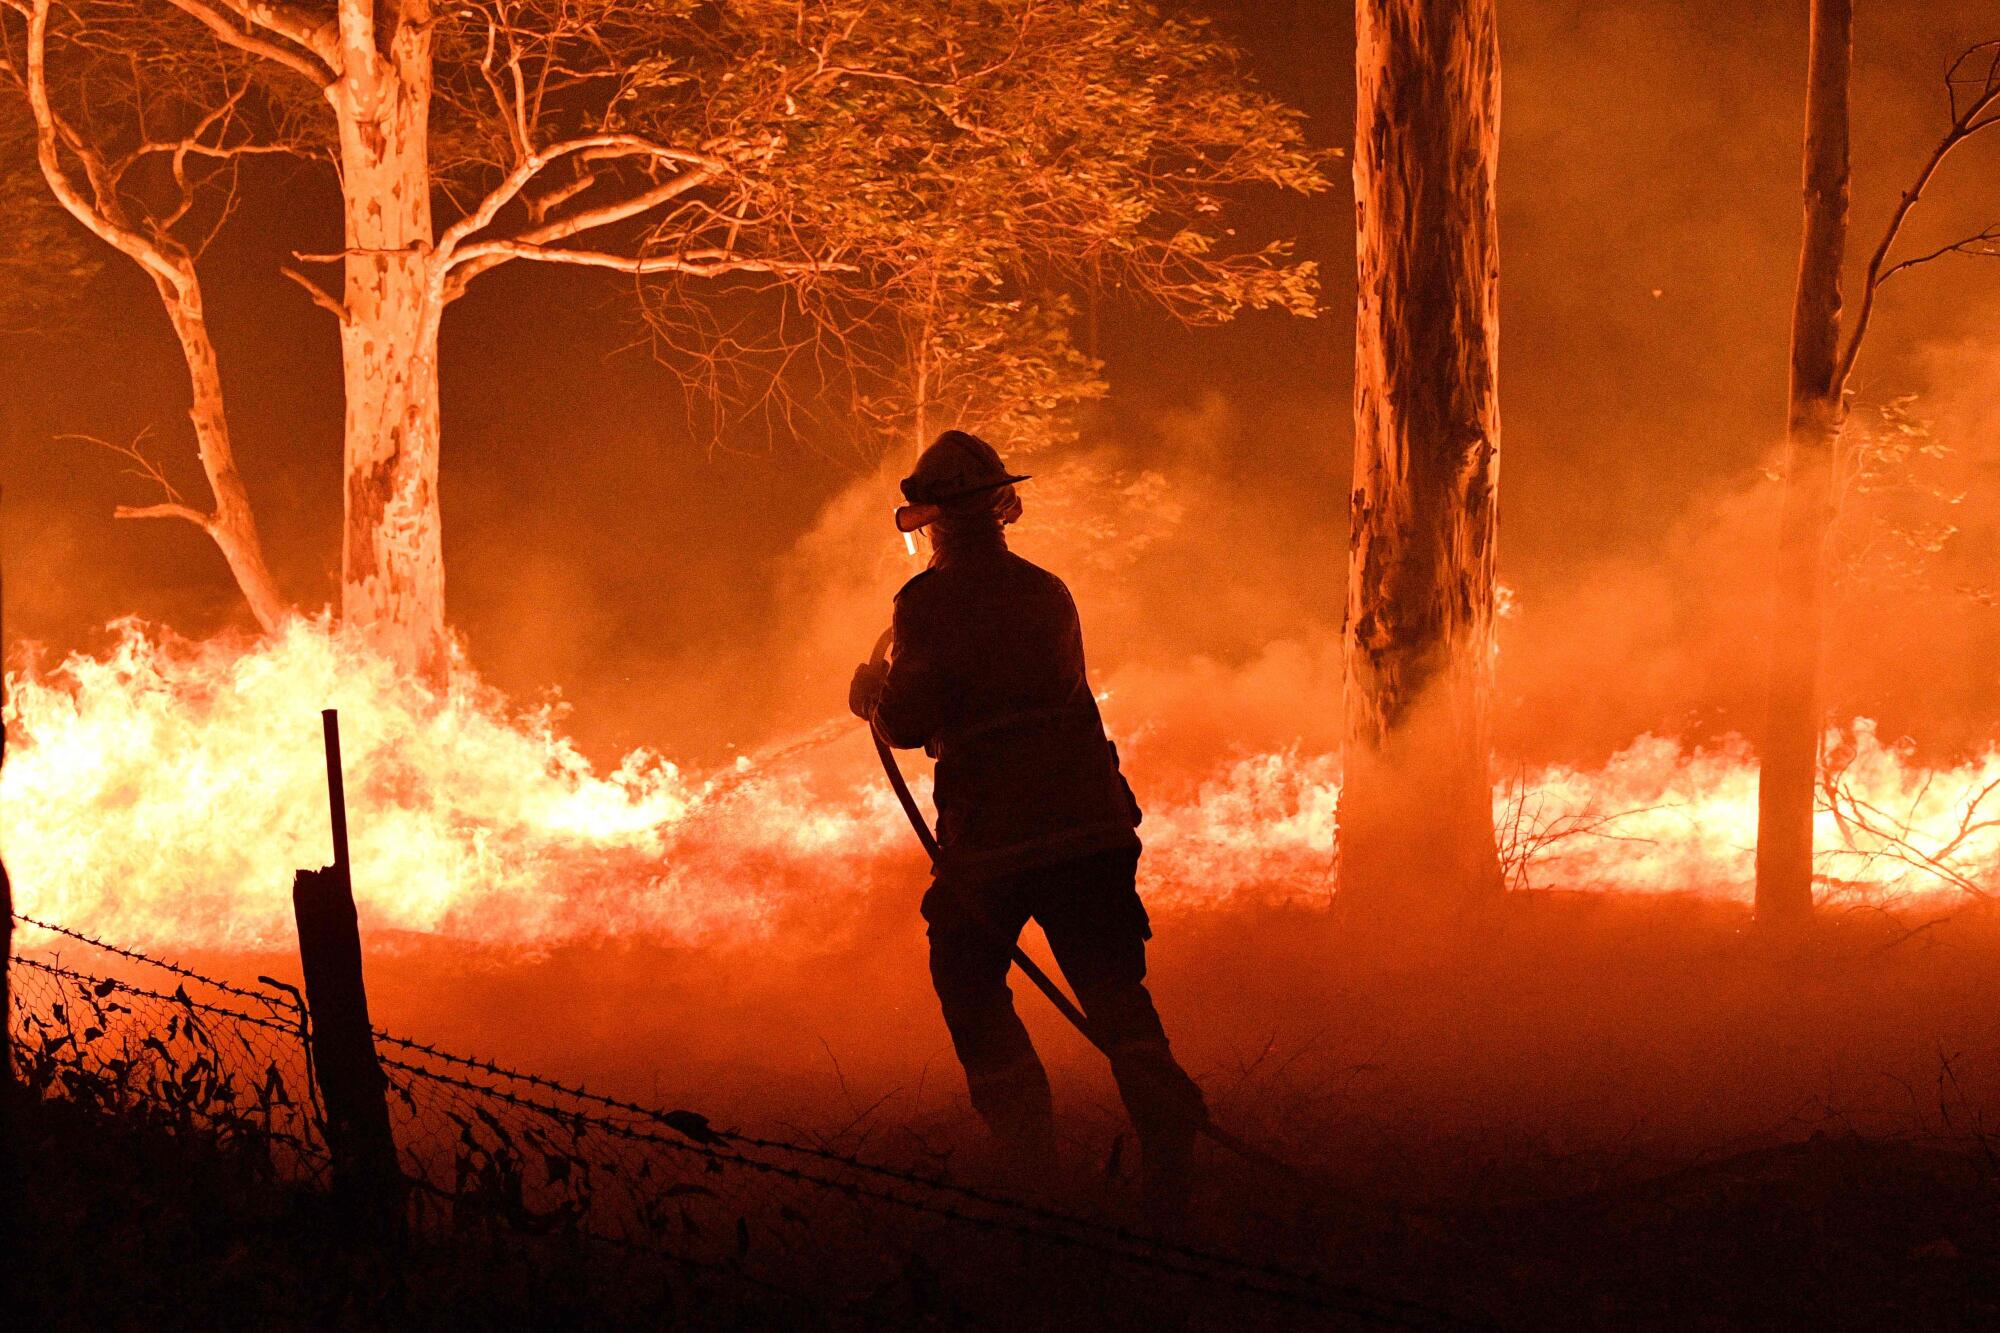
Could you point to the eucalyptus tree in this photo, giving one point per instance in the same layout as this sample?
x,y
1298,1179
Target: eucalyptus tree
x,y
863,164
1416,812
1823,351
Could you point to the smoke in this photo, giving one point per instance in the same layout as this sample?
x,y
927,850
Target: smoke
x,y
708,604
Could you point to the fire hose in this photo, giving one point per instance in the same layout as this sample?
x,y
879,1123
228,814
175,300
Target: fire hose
x,y
1032,970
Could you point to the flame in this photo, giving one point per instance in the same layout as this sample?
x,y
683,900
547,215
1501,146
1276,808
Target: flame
x,y
1659,816
165,791
162,792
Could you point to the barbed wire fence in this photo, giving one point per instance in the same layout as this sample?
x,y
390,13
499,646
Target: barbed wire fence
x,y
169,1059
491,1150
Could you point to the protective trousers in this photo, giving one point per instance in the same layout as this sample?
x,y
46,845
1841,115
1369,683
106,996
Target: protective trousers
x,y
1089,909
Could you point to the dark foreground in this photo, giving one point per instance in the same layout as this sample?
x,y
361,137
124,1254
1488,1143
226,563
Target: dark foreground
x,y
1595,1114
131,1228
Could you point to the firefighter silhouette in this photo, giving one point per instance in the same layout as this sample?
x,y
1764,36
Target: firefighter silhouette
x,y
1034,819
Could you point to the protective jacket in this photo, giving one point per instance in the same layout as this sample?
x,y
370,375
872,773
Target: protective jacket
x,y
987,676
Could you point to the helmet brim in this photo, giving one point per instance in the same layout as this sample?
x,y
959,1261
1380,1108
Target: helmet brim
x,y
1007,479
910,517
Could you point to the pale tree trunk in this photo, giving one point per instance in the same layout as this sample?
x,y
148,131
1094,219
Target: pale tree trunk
x,y
1790,754
920,397
1416,821
231,525
923,349
920,394
392,556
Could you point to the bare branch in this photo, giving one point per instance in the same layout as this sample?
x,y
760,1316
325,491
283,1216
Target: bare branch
x,y
144,467
149,253
218,116
298,30
318,293
1966,123
1980,245
294,23
181,511
695,263
188,148
603,215
1897,836
540,206
575,224
599,147
515,130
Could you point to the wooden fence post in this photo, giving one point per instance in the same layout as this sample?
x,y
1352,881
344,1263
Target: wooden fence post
x,y
366,1177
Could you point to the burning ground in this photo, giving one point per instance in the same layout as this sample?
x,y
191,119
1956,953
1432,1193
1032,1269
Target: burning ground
x,y
155,789
761,914
1611,1057
1617,1052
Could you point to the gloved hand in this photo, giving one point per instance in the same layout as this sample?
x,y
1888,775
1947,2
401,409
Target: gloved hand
x,y
866,690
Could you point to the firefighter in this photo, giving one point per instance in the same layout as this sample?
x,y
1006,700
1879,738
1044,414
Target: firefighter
x,y
1034,819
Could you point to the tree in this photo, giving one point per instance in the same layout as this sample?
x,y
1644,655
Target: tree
x,y
1790,751
1125,140
1821,364
7,1125
824,150
161,227
1009,365
1416,817
43,267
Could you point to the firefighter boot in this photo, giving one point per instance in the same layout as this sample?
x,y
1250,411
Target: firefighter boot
x,y
1168,1111
1014,1102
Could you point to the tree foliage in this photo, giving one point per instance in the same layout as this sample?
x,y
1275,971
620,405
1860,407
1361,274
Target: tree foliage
x,y
913,196
1009,365
1902,494
914,156
43,259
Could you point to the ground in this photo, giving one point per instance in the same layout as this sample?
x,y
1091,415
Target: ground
x,y
1591,1112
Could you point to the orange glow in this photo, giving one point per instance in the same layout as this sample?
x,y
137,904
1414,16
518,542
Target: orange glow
x,y
163,792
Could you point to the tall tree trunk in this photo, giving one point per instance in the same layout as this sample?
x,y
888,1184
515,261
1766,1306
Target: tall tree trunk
x,y
1416,815
920,379
231,525
1790,755
392,555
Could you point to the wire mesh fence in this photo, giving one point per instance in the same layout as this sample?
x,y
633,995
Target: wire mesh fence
x,y
491,1151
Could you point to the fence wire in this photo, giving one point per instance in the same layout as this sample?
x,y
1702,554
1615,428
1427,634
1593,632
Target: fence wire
x,y
169,1060
492,1150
